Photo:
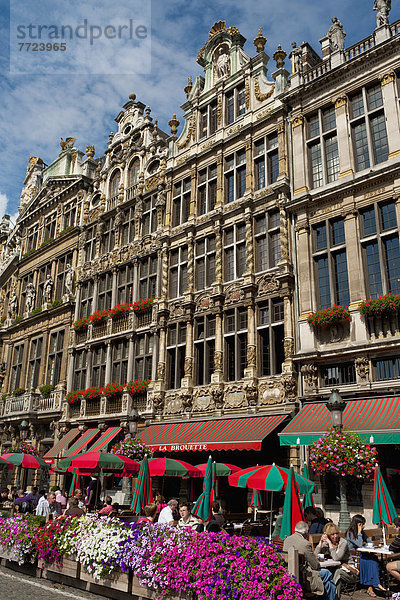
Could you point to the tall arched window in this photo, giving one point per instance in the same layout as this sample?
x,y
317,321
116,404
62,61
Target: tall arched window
x,y
114,183
133,173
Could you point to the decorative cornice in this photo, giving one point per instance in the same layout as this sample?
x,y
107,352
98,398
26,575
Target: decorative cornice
x,y
260,95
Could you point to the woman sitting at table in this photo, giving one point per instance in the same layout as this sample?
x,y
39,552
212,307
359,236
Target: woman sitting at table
x,y
338,549
369,566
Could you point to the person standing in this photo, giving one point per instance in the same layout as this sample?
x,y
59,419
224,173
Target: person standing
x,y
93,492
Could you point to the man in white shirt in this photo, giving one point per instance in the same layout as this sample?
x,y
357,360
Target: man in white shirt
x,y
46,506
166,515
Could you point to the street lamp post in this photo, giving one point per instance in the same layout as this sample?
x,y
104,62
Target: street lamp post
x,y
336,406
132,420
23,434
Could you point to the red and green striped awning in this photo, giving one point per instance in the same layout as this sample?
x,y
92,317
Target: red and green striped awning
x,y
376,420
245,433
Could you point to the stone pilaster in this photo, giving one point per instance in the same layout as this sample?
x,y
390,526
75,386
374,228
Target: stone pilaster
x,y
249,164
343,137
390,102
89,363
220,181
70,376
218,374
187,380
251,370
108,374
131,356
299,162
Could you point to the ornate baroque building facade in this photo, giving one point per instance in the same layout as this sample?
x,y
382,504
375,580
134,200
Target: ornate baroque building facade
x,y
279,197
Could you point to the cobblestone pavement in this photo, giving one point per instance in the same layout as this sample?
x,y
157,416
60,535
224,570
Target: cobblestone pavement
x,y
17,585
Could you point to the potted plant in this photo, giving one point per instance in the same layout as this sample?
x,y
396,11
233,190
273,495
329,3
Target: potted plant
x,y
382,306
92,393
142,304
46,389
19,392
100,316
113,390
74,397
329,316
119,310
137,387
81,324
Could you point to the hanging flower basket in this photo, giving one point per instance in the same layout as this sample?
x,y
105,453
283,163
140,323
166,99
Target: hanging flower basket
x,y
132,448
22,448
99,317
74,397
137,387
142,304
81,324
329,316
343,454
119,309
382,306
113,390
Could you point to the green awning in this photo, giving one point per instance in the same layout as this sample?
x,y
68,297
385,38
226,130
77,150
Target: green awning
x,y
376,421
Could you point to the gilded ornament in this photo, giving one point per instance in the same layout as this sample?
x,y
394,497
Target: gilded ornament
x,y
261,96
190,133
90,151
174,124
247,94
297,121
260,41
388,77
67,143
340,101
279,57
187,89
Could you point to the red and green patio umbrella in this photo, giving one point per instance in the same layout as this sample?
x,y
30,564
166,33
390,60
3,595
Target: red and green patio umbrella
x,y
292,509
383,510
170,467
221,469
143,493
308,499
271,478
26,461
99,462
256,499
202,507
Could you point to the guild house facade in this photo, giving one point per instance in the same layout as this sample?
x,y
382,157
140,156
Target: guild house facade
x,y
279,197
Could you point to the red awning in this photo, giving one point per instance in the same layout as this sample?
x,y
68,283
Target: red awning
x,y
105,439
246,433
82,442
63,443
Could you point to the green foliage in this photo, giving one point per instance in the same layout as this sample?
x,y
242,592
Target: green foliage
x,y
18,319
51,239
19,392
329,316
56,303
36,311
46,389
28,252
382,306
64,231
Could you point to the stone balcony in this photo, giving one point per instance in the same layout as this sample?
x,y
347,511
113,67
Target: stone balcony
x,y
108,407
31,404
129,321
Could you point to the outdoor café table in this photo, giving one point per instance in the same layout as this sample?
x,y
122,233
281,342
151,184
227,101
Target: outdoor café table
x,y
385,555
329,563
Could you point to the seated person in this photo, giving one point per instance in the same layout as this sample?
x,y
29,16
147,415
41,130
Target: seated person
x,y
73,509
319,581
167,513
150,511
338,549
369,566
4,499
186,517
217,520
316,525
115,509
107,509
394,567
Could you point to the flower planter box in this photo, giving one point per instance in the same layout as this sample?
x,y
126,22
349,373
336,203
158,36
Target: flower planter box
x,y
120,582
70,568
139,591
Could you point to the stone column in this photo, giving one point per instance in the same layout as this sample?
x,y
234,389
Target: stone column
x,y
299,163
89,362
189,353
251,370
114,296
305,274
95,293
343,137
218,254
249,164
164,273
284,231
249,243
45,357
108,373
70,376
193,192
131,355
190,263
161,367
218,374
282,150
220,181
77,300
391,104
288,327
354,258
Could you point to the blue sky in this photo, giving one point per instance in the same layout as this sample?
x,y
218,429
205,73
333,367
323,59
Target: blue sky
x,y
37,109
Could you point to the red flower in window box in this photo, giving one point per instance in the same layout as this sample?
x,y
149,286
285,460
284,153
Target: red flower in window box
x,y
119,309
142,304
329,316
137,387
99,317
74,397
112,390
81,324
382,306
92,393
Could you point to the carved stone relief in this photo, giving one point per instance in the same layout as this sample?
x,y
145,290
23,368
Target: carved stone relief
x,y
310,376
268,284
270,392
362,367
233,294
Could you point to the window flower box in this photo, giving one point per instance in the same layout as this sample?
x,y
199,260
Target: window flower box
x,y
387,306
137,387
329,316
119,581
113,390
120,310
142,305
92,393
99,317
74,397
70,568
81,324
